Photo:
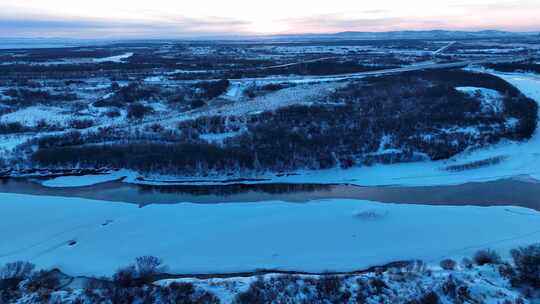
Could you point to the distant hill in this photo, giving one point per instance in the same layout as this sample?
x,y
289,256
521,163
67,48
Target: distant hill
x,y
432,34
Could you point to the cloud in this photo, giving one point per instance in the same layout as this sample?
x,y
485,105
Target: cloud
x,y
375,12
334,23
495,6
97,28
518,15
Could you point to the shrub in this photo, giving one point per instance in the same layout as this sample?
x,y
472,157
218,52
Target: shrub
x,y
11,275
29,97
113,114
287,288
486,256
455,290
448,264
212,89
148,266
115,86
187,293
527,264
81,124
43,281
12,127
477,164
274,86
198,103
429,298
331,289
126,277
507,271
156,128
138,111
42,125
135,92
144,271
466,263
17,270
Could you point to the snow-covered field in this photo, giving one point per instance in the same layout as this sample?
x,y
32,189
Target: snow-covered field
x,y
32,115
320,236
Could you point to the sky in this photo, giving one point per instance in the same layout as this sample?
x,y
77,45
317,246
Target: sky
x,y
182,18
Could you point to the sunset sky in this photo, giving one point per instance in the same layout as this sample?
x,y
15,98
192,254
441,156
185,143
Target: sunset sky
x,y
180,18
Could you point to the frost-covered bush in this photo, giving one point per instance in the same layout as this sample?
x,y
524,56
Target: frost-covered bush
x,y
126,277
527,265
148,267
186,293
486,256
295,289
448,264
144,271
17,270
41,285
456,290
183,293
331,289
11,275
211,89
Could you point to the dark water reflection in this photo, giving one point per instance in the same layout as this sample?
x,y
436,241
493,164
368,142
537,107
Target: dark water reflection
x,y
502,192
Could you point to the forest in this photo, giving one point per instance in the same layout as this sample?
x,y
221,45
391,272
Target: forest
x,y
409,117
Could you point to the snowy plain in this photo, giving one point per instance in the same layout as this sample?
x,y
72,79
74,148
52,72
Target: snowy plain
x,y
326,235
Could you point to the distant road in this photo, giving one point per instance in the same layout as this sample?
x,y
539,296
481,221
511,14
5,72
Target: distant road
x,y
337,77
296,63
444,48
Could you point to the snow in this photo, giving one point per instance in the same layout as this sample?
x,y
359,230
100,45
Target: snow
x,y
316,237
218,138
484,283
118,58
492,101
225,289
296,95
337,49
492,50
235,90
10,142
155,79
86,180
30,116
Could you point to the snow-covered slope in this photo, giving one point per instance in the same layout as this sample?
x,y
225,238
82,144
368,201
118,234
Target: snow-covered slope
x,y
492,101
340,235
